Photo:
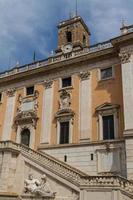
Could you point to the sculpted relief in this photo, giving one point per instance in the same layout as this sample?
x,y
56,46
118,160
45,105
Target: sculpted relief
x,y
65,100
125,57
27,110
39,188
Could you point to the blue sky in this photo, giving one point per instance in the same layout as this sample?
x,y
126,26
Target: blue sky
x,y
30,25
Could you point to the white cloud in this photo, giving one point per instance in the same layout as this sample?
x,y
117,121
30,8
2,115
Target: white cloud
x,y
105,17
28,25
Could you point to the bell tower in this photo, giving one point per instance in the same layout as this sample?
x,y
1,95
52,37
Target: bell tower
x,y
73,32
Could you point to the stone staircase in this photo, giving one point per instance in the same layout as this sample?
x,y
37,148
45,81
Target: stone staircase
x,y
75,176
52,164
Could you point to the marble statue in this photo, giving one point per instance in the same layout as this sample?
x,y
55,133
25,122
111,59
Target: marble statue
x,y
36,187
31,184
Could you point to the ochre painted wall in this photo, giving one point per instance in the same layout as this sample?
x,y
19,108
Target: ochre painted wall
x,y
40,89
106,91
102,91
2,112
18,92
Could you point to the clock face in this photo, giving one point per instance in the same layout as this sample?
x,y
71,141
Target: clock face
x,y
67,48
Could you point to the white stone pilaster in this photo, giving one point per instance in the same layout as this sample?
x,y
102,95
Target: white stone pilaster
x,y
47,112
85,106
127,83
8,121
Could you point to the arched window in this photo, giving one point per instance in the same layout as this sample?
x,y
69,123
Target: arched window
x,y
25,137
69,36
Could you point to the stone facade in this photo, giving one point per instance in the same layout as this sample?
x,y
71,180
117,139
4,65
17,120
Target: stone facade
x,y
69,118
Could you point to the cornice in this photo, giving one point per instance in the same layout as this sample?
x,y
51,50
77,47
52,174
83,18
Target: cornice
x,y
92,143
72,21
40,71
122,40
8,194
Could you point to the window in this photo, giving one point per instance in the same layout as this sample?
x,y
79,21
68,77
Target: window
x,y
0,97
69,36
65,158
30,90
66,82
108,127
25,137
64,119
108,121
106,73
84,40
64,132
92,157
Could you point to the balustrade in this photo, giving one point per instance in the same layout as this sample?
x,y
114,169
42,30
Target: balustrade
x,y
69,172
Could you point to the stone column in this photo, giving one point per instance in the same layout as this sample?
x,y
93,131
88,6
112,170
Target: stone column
x,y
85,106
47,112
126,55
8,121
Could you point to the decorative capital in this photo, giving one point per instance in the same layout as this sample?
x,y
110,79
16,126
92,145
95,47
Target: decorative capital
x,y
48,84
84,75
125,57
11,92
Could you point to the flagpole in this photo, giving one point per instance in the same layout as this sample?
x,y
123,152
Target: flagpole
x,y
34,56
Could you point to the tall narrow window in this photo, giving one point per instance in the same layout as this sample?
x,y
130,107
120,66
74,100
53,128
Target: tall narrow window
x,y
64,132
25,137
69,36
108,127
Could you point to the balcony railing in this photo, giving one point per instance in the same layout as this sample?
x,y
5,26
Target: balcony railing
x,y
57,58
24,68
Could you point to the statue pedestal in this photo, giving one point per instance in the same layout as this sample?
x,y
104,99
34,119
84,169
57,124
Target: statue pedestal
x,y
33,197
